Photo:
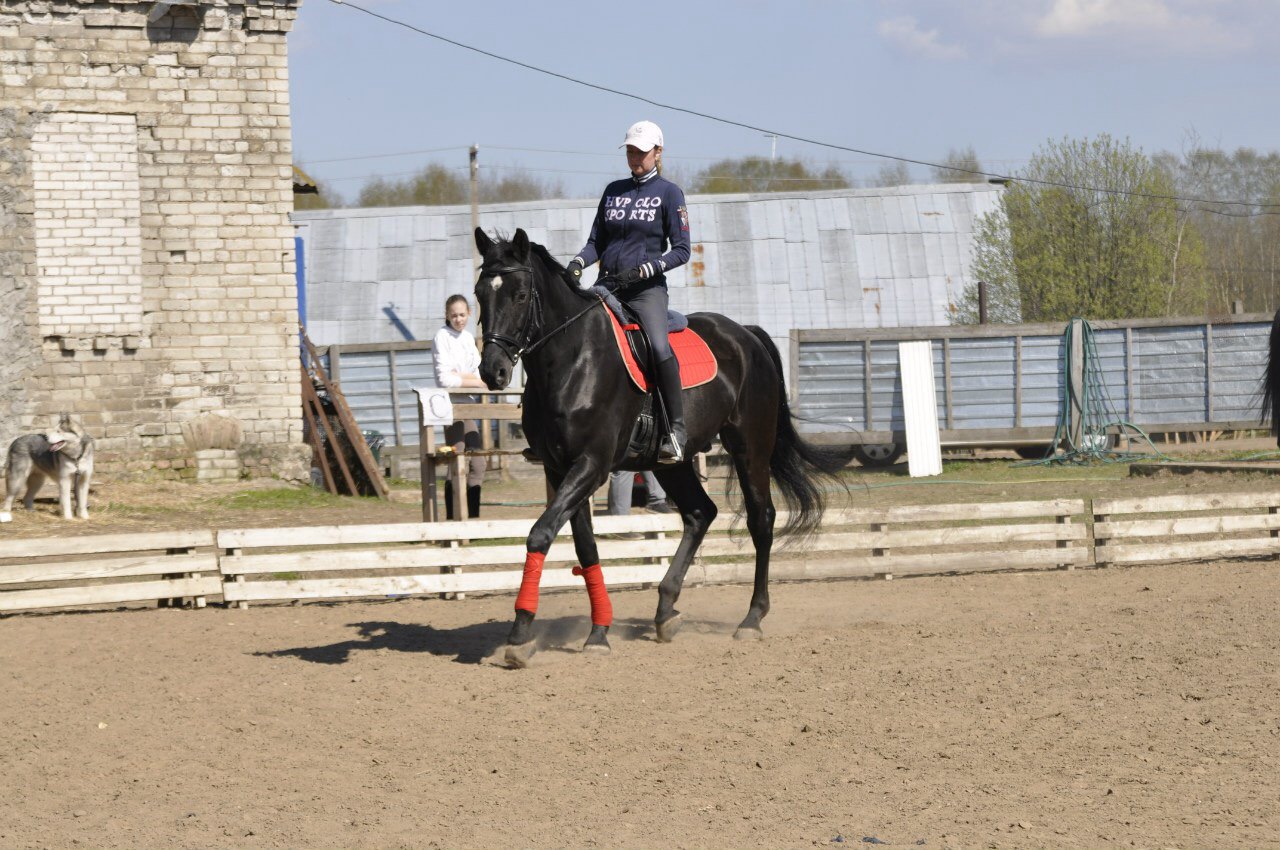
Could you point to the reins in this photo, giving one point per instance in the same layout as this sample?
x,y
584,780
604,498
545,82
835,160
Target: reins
x,y
517,348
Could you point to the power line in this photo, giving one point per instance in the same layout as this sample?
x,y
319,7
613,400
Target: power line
x,y
790,136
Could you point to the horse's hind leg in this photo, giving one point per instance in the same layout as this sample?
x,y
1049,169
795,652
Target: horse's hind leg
x,y
753,476
584,544
698,511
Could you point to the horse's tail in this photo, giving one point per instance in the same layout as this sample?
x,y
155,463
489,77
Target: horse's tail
x,y
1271,381
799,466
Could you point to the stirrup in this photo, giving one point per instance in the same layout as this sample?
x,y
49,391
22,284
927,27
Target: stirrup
x,y
670,451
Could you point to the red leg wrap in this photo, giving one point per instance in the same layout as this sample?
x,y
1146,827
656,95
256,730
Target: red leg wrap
x,y
527,598
601,607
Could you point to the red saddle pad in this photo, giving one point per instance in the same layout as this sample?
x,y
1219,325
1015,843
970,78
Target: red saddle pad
x,y
697,363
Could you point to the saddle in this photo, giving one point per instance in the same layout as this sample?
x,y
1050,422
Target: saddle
x,y
697,366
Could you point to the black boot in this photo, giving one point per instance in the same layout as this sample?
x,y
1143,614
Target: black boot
x,y
473,501
671,449
448,499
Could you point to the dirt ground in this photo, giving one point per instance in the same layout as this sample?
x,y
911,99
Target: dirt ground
x,y
1117,708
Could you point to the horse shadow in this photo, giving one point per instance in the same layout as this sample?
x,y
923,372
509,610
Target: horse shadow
x,y
471,644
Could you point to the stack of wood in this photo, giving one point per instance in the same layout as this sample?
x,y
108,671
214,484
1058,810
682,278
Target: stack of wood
x,y
338,446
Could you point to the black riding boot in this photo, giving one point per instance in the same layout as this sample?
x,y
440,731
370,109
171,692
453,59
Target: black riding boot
x,y
671,449
448,499
473,501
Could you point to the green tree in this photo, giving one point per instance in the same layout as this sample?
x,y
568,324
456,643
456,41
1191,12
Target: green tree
x,y
992,265
434,185
761,174
1090,230
958,167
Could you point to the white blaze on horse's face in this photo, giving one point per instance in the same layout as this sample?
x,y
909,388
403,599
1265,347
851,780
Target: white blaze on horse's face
x,y
496,282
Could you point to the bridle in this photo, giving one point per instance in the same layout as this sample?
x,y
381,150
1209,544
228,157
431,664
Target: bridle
x,y
525,344
515,347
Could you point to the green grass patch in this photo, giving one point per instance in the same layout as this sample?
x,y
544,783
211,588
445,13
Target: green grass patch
x,y
280,499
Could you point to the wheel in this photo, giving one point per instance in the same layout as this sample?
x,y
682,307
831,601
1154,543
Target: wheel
x,y
878,454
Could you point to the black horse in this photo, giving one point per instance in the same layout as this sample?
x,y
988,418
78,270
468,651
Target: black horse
x,y
579,411
1271,381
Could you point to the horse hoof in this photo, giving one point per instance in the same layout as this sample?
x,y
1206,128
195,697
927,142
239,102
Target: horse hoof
x,y
518,654
596,649
748,633
668,630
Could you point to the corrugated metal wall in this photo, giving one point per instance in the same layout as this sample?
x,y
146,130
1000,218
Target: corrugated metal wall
x,y
853,258
1160,376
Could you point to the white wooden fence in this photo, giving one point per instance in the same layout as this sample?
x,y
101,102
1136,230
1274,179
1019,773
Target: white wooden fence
x,y
113,568
483,556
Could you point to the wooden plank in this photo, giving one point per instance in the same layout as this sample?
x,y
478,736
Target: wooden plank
x,y
130,565
1017,382
937,562
329,560
395,399
937,513
898,537
309,415
431,584
867,566
34,547
423,532
102,594
354,435
1186,550
473,410
1185,525
310,397
1172,504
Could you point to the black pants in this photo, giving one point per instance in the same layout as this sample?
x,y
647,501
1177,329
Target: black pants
x,y
650,305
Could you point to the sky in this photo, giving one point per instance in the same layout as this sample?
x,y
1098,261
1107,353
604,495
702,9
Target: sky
x,y
908,78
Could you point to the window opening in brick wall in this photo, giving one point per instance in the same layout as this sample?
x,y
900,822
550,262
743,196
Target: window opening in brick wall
x,y
87,225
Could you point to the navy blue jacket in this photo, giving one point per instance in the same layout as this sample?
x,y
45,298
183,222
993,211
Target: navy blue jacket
x,y
635,223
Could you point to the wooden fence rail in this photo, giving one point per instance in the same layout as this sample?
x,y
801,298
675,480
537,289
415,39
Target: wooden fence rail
x,y
108,569
482,556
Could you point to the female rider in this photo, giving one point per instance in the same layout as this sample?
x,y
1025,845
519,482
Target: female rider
x,y
641,231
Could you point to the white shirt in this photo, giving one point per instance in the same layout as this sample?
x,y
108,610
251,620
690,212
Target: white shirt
x,y
455,354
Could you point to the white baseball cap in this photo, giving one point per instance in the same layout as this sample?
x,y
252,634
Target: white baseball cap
x,y
644,135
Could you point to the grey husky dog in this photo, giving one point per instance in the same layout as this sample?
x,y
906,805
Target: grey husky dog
x,y
65,453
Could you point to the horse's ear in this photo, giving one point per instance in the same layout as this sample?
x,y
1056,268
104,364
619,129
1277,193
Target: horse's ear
x,y
521,244
483,242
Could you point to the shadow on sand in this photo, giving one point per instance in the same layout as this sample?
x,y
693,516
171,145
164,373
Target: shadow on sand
x,y
470,644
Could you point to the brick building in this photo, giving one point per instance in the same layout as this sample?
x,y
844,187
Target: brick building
x,y
146,254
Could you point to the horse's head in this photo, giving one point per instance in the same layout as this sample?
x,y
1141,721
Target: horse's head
x,y
509,306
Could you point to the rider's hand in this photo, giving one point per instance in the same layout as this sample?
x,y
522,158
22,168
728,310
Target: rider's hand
x,y
630,276
647,270
575,270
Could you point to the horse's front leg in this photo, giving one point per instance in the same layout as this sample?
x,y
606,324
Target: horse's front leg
x,y
581,481
584,544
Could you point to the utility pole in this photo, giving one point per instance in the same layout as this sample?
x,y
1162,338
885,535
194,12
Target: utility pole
x,y
773,155
475,202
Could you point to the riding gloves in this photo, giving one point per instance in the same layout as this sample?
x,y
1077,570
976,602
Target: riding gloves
x,y
575,270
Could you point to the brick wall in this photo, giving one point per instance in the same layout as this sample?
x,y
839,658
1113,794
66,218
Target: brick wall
x,y
146,256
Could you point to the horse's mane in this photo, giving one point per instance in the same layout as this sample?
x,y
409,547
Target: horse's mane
x,y
557,270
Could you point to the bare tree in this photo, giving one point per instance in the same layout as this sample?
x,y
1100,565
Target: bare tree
x,y
760,174
897,173
960,166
